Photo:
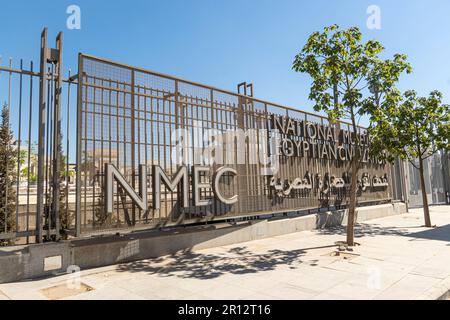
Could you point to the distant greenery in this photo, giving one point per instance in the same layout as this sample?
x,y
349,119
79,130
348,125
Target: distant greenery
x,y
8,167
415,130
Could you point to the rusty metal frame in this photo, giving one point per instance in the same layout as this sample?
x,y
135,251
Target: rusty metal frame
x,y
41,134
162,108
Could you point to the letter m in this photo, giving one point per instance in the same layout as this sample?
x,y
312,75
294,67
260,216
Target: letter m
x,y
111,173
182,175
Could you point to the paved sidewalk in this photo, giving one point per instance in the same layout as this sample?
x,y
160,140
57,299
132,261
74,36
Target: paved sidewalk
x,y
397,259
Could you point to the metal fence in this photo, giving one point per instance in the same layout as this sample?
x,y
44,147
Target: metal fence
x,y
437,181
37,181
19,152
128,117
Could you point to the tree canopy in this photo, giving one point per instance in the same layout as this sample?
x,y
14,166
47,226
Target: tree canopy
x,y
416,129
349,77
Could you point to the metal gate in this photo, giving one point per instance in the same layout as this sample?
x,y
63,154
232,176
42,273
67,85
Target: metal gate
x,y
53,188
36,176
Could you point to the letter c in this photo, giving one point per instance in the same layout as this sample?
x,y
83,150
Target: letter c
x,y
216,188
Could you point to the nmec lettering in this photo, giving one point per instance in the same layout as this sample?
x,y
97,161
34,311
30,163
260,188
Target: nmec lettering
x,y
180,180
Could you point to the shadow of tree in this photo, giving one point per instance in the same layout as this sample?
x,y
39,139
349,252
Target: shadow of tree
x,y
366,230
372,230
440,234
238,261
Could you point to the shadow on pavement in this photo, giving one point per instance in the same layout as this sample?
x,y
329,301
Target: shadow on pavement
x,y
240,260
372,230
440,234
366,230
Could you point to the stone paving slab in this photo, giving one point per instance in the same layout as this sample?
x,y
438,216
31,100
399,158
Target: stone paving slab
x,y
3,297
397,259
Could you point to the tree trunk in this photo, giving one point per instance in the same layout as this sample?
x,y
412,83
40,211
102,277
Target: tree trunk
x,y
352,205
426,208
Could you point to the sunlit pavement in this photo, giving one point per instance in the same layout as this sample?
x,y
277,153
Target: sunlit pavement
x,y
397,259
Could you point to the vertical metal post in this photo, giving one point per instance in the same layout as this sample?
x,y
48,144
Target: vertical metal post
x,y
41,138
404,178
242,169
133,141
446,174
66,176
179,123
177,107
19,145
6,178
30,112
57,149
78,165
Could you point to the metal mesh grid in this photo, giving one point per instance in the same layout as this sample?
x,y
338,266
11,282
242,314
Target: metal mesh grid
x,y
128,116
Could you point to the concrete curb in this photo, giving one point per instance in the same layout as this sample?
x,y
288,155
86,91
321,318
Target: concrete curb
x,y
440,291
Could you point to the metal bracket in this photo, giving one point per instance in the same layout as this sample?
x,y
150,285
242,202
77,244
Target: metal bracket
x,y
53,55
73,78
245,86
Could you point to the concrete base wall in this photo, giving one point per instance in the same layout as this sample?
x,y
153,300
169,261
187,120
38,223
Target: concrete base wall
x,y
41,260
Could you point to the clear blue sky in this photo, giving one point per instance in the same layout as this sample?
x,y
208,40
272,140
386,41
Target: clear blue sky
x,y
224,42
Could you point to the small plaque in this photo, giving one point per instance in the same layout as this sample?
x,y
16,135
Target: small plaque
x,y
53,263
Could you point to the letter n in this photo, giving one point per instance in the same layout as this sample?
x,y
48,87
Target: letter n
x,y
111,173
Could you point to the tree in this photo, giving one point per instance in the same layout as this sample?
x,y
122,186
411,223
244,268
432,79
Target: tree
x,y
421,127
8,163
24,173
349,81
